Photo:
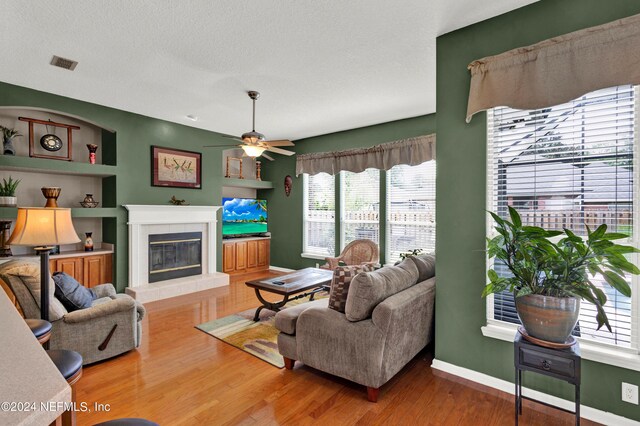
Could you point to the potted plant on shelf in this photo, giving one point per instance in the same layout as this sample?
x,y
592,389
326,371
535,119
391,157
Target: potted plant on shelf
x,y
550,278
7,140
8,192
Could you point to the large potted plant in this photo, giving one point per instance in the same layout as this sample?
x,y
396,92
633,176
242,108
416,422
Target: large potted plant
x,y
551,270
8,192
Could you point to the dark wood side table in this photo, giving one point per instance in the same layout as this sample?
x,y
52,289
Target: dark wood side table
x,y
563,364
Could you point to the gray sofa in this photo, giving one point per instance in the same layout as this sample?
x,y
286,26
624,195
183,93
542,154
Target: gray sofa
x,y
86,330
388,319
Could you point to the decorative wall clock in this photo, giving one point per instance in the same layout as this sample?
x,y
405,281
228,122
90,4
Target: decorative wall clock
x,y
51,142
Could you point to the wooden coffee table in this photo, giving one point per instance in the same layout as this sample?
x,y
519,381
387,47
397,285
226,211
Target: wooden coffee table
x,y
290,286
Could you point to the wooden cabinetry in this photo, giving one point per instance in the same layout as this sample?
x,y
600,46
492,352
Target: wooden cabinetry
x,y
89,270
245,255
95,270
264,247
228,257
252,254
69,265
241,255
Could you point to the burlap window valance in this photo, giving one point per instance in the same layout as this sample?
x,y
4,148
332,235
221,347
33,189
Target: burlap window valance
x,y
411,151
558,70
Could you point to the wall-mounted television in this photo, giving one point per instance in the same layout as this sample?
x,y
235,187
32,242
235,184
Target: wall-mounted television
x,y
243,217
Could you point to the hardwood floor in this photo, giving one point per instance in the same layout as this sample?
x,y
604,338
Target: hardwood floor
x,y
182,376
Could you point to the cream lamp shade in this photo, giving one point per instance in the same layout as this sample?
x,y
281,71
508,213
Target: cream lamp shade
x,y
253,150
39,226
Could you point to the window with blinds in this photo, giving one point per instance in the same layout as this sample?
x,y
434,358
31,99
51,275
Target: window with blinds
x,y
360,206
566,167
319,214
411,209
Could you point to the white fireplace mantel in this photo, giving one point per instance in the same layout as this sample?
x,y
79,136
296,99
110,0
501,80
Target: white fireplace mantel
x,y
144,214
145,220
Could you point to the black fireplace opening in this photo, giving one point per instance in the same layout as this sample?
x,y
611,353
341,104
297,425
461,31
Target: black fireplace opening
x,y
174,255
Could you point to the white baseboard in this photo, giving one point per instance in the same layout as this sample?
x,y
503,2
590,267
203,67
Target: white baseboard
x,y
279,269
589,413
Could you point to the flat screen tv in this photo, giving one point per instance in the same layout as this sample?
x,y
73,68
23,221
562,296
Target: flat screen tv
x,y
243,217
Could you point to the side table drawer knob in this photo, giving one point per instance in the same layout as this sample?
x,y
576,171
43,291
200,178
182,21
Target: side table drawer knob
x,y
546,364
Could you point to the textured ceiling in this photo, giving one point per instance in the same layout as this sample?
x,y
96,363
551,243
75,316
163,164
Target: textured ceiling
x,y
321,66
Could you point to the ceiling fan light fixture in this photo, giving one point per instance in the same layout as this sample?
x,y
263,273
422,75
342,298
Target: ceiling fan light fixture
x,y
252,137
253,150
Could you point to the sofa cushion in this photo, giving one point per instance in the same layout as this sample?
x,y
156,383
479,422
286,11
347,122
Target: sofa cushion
x,y
370,288
340,283
426,264
72,295
287,318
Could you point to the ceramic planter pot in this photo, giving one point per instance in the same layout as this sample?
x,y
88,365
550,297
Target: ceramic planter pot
x,y
7,147
548,318
8,201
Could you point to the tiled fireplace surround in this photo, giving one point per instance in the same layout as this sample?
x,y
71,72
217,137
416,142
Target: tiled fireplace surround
x,y
145,220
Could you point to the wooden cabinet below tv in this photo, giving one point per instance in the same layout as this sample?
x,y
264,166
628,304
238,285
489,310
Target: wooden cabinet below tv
x,y
245,255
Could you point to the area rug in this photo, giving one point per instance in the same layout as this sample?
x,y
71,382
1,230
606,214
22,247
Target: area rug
x,y
259,339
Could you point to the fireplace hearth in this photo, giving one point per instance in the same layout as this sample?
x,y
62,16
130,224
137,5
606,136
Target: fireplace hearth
x,y
174,255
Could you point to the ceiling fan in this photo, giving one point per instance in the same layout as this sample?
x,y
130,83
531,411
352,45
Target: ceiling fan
x,y
254,143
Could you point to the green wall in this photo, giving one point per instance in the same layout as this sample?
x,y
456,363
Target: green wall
x,y
285,213
134,136
461,187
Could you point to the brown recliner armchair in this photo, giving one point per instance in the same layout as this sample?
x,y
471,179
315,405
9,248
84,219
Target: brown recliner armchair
x,y
357,252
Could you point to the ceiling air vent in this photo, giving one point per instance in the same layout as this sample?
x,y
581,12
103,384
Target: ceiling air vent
x,y
67,64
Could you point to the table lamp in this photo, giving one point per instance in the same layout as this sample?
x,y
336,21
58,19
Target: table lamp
x,y
43,228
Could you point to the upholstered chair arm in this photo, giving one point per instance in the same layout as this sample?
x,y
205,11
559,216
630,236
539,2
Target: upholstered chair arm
x,y
140,309
406,319
101,310
328,341
104,290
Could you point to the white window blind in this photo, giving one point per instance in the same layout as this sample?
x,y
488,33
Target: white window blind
x,y
411,209
564,167
319,214
360,205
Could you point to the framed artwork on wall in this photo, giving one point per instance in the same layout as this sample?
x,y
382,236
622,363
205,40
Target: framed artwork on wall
x,y
176,168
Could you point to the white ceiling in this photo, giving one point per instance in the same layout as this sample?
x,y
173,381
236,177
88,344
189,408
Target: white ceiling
x,y
321,66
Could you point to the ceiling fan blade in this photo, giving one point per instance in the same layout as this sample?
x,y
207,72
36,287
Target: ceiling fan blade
x,y
280,142
220,146
280,151
268,157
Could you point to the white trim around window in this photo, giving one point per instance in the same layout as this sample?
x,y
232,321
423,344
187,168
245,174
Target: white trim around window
x,y
321,216
313,256
602,352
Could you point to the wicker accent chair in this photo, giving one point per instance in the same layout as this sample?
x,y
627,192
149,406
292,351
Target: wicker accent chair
x,y
357,252
110,327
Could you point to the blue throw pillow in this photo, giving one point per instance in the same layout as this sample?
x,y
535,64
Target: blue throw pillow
x,y
71,293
